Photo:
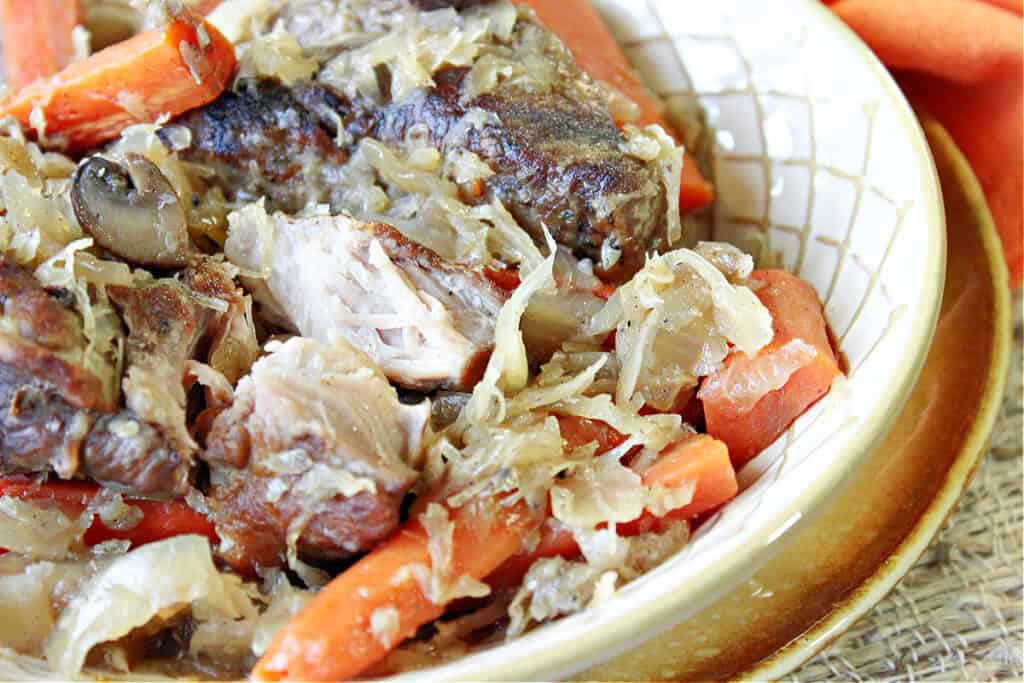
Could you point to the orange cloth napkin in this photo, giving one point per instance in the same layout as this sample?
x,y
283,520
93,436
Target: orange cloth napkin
x,y
964,61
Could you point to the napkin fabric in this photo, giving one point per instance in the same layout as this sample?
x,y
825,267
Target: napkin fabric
x,y
964,61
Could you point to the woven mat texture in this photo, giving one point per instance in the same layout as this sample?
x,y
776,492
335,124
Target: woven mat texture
x,y
958,615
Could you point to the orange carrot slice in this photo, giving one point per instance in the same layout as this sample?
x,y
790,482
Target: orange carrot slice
x,y
796,314
555,541
580,27
332,638
36,40
580,431
163,71
160,518
700,459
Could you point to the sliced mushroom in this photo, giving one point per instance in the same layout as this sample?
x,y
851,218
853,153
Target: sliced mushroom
x,y
131,210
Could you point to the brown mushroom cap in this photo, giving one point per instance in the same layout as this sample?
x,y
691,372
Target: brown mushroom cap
x,y
131,210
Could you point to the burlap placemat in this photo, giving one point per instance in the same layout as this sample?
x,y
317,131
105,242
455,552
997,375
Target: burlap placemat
x,y
959,613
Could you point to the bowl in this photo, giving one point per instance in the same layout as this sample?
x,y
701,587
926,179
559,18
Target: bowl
x,y
815,148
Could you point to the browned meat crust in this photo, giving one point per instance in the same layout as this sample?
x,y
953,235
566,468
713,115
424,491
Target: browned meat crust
x,y
165,325
44,329
556,152
40,432
52,412
257,529
557,160
276,451
232,346
37,316
261,142
473,301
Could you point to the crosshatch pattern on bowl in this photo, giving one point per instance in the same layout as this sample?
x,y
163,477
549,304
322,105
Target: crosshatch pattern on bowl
x,y
798,157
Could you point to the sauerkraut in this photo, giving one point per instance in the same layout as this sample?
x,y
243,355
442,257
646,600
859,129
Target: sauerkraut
x,y
674,322
154,581
565,353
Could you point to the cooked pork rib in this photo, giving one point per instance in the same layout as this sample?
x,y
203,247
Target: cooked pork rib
x,y
53,416
315,447
557,160
165,324
555,153
427,323
41,337
261,142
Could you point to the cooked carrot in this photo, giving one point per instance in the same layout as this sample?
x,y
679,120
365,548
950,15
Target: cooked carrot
x,y
699,459
604,291
504,278
596,51
694,191
36,40
163,71
579,26
332,639
556,540
796,314
160,518
579,431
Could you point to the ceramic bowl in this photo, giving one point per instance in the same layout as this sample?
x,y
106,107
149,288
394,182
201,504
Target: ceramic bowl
x,y
815,148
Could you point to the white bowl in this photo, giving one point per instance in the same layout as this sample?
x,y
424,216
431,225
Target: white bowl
x,y
817,148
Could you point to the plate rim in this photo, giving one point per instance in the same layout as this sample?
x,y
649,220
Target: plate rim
x,y
865,597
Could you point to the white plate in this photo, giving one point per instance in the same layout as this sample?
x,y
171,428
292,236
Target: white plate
x,y
817,148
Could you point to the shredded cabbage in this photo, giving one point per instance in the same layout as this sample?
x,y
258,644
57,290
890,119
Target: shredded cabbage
x,y
675,322
602,490
652,143
155,580
42,533
554,587
508,368
520,457
440,583
276,54
417,45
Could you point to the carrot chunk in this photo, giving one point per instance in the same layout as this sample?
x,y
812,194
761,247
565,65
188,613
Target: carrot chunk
x,y
332,638
37,40
700,459
796,315
163,71
580,431
160,518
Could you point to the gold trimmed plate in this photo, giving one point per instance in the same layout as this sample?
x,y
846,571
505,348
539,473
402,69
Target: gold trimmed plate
x,y
836,570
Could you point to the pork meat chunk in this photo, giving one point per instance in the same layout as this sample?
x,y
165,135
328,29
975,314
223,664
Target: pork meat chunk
x,y
258,141
522,107
313,457
55,416
425,322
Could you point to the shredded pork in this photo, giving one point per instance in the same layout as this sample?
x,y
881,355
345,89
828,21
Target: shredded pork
x,y
425,322
313,457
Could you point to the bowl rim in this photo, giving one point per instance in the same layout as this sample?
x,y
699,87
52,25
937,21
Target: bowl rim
x,y
971,449
585,639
